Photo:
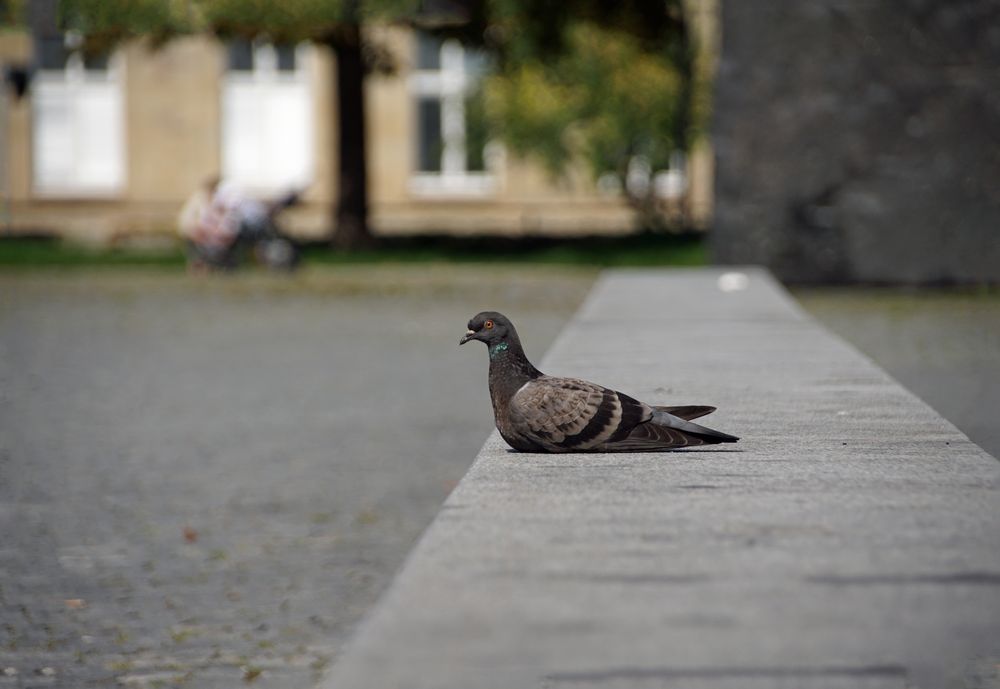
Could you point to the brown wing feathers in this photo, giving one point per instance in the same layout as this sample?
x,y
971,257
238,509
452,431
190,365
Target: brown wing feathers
x,y
562,412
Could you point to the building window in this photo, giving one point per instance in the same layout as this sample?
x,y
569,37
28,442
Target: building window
x,y
451,140
78,133
267,116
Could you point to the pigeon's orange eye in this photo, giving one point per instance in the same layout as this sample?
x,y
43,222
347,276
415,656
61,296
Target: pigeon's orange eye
x,y
488,325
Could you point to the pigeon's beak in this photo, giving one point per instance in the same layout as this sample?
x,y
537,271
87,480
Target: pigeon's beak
x,y
469,335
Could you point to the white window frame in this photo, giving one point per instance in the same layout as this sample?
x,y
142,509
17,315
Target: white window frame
x,y
450,84
72,85
264,82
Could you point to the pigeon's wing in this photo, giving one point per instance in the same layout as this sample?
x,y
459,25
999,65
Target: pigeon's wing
x,y
687,412
571,415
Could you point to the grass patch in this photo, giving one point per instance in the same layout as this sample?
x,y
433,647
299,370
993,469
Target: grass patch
x,y
646,249
36,252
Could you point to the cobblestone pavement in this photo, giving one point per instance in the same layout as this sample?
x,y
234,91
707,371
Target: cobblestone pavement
x,y
206,483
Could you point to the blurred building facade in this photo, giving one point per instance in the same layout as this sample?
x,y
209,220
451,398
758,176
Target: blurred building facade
x,y
101,149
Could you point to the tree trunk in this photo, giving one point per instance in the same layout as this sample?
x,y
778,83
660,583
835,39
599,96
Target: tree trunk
x,y
351,209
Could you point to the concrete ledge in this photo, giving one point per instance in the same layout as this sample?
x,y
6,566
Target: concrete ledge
x,y
851,539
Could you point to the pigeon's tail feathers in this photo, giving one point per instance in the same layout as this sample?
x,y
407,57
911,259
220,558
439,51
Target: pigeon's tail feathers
x,y
687,412
708,435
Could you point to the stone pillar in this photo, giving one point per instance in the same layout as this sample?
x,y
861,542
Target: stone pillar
x,y
860,141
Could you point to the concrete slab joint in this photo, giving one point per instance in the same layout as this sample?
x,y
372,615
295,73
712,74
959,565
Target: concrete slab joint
x,y
852,538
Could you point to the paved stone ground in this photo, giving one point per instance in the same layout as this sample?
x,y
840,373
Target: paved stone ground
x,y
850,540
943,346
207,483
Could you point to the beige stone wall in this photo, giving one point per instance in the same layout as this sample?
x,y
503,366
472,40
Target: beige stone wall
x,y
391,148
321,193
172,117
15,119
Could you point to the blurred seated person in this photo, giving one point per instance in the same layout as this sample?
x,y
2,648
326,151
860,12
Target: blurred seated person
x,y
215,218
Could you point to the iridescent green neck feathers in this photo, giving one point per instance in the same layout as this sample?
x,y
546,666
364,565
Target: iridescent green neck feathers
x,y
498,349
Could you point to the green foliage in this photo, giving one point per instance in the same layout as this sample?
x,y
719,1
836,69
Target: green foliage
x,y
27,253
538,29
104,22
650,249
283,21
11,13
604,97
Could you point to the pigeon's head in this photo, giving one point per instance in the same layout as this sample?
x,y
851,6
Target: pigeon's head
x,y
489,327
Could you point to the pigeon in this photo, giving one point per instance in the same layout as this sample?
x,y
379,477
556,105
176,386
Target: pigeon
x,y
535,412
